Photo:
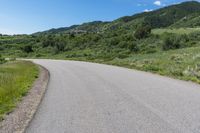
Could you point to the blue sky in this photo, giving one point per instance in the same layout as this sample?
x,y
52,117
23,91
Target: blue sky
x,y
29,16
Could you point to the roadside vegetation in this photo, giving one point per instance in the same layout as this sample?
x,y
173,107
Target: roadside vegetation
x,y
2,60
16,78
175,30
183,64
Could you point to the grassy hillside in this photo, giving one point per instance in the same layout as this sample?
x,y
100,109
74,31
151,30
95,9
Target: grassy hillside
x,y
15,80
107,40
176,31
185,14
192,21
183,63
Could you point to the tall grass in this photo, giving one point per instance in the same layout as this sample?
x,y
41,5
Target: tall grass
x,y
176,31
182,63
15,80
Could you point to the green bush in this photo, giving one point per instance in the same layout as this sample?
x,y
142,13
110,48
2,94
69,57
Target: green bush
x,y
171,41
142,32
27,49
2,60
133,47
175,41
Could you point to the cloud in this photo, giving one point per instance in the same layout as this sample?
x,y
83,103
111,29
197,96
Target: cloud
x,y
158,3
7,31
148,10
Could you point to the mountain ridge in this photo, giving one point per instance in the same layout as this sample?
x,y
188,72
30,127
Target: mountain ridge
x,y
169,16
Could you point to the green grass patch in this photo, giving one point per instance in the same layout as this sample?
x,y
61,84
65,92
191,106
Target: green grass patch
x,y
176,31
16,78
183,64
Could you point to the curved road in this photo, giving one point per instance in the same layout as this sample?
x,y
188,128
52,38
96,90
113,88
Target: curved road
x,y
93,98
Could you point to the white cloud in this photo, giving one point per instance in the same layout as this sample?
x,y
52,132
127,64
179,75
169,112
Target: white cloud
x,y
158,3
7,31
148,10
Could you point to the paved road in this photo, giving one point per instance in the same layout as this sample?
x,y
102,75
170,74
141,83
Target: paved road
x,y
93,98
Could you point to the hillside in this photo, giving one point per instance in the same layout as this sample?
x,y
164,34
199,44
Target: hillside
x,y
191,21
119,38
185,14
95,26
162,41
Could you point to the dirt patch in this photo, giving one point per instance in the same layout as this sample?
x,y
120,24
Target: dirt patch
x,y
19,119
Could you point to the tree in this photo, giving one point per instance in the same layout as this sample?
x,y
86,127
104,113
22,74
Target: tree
x,y
71,36
27,49
48,41
142,32
60,46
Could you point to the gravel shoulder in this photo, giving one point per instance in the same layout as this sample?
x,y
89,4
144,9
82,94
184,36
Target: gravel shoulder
x,y
18,120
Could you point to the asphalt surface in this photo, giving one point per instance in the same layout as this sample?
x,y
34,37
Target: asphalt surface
x,y
93,98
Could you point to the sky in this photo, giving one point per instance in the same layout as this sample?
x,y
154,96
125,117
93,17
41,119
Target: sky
x,y
29,16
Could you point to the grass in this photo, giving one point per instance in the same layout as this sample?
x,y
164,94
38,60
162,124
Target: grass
x,y
176,31
182,64
15,80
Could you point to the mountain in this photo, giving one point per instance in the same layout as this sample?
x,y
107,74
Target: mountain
x,y
95,26
186,14
172,14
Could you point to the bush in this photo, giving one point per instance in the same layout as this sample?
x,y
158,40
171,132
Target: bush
x,y
2,60
39,55
174,41
142,32
27,49
171,41
123,44
195,35
133,47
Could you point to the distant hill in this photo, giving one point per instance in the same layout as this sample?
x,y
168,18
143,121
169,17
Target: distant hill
x,y
95,26
186,14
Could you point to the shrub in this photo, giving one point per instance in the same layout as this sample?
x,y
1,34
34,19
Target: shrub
x,y
123,44
174,41
142,32
171,41
2,60
27,49
133,47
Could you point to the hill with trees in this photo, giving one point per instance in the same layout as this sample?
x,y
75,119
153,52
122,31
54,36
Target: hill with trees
x,y
162,41
175,16
107,40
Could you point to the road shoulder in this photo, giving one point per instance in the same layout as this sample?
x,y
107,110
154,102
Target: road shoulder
x,y
18,120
